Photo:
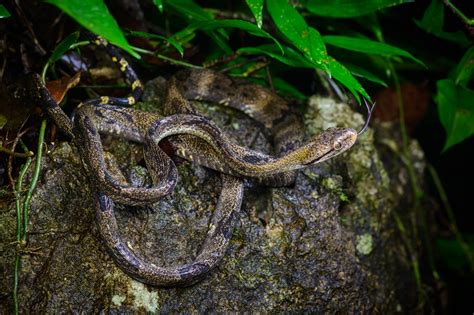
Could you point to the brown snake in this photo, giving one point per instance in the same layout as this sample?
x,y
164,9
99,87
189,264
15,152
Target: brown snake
x,y
196,138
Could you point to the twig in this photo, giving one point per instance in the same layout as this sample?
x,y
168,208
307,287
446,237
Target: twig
x,y
29,27
10,158
16,154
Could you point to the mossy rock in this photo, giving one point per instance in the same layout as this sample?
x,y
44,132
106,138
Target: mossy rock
x,y
327,244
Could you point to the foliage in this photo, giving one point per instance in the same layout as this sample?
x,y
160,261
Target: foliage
x,y
299,44
455,100
349,8
94,15
4,12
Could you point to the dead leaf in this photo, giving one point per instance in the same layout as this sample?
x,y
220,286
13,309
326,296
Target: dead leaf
x,y
59,88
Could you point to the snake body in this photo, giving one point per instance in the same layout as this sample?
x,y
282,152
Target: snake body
x,y
200,141
193,137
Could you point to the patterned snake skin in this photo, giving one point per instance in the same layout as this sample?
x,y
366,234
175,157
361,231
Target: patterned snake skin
x,y
195,138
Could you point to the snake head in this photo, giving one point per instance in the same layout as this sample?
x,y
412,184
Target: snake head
x,y
328,144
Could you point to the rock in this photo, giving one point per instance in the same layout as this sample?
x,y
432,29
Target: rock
x,y
328,244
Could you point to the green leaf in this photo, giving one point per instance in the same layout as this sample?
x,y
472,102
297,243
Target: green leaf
x,y
295,59
94,15
368,46
361,72
340,73
456,111
288,89
243,25
453,253
433,22
292,25
465,68
193,13
63,46
159,4
3,12
289,57
317,49
433,18
184,36
189,10
256,6
349,8
169,40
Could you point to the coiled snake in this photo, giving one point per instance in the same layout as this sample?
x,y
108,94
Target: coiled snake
x,y
195,138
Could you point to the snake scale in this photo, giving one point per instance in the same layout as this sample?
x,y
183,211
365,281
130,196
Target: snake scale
x,y
192,137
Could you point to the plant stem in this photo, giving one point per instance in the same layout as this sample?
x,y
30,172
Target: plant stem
x,y
417,192
411,251
79,44
458,13
452,220
34,179
171,60
16,274
16,154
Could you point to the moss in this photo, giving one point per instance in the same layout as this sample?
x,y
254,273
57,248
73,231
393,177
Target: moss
x,y
364,244
334,184
117,300
143,298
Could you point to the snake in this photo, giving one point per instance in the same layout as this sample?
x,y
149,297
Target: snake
x,y
193,137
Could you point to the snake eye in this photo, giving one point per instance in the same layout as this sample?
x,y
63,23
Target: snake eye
x,y
337,145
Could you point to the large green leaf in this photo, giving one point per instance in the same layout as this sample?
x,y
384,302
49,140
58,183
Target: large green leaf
x,y
308,40
343,75
368,46
349,8
456,111
293,26
363,73
94,15
256,6
243,25
433,22
3,12
463,72
295,59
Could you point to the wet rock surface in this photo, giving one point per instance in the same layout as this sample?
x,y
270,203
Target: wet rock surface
x,y
328,244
